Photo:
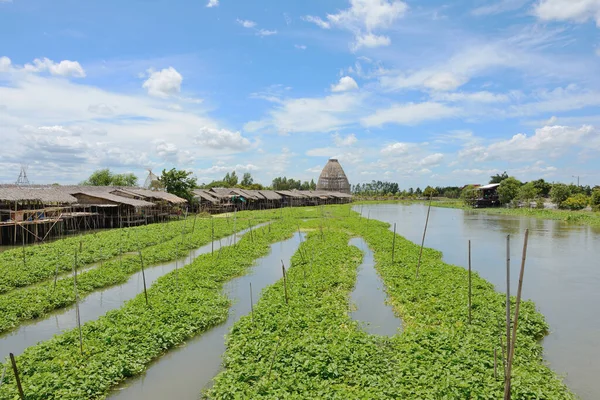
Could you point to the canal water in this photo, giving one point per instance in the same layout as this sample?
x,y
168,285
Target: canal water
x,y
562,274
184,372
369,297
100,302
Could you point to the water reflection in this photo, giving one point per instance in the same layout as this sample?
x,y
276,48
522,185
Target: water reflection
x,y
562,274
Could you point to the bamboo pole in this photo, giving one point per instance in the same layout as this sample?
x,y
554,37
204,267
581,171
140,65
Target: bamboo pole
x,y
212,237
284,282
143,276
16,371
77,315
394,243
273,360
423,240
507,299
511,353
495,363
2,377
55,277
470,289
251,304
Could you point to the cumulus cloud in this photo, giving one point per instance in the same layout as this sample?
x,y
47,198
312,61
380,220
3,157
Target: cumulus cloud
x,y
568,10
222,139
222,168
410,114
246,23
212,3
163,83
100,109
432,160
345,83
371,40
64,68
342,141
397,148
4,64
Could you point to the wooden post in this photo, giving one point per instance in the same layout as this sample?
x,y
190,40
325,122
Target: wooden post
x,y
284,282
423,240
234,225
212,238
23,241
194,225
511,353
16,371
507,300
495,364
55,277
251,303
470,289
273,360
143,276
77,315
394,243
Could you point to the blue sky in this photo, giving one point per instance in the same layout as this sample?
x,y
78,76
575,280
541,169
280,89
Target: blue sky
x,y
417,92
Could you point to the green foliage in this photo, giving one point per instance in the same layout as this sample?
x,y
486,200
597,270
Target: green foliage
x,y
123,342
576,202
559,193
179,183
542,187
595,199
104,177
430,192
469,195
498,178
508,190
283,183
247,180
528,192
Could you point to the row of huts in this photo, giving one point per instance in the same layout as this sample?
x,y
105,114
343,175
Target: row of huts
x,y
34,213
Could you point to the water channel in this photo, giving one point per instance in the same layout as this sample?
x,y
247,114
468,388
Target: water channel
x,y
184,372
369,297
99,303
562,274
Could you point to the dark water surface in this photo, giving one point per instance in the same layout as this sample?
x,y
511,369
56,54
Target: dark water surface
x,y
184,372
369,297
562,274
98,303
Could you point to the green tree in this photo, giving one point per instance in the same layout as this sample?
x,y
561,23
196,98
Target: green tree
x,y
498,177
179,183
418,191
430,192
595,200
247,180
508,189
528,192
313,185
559,193
542,186
469,195
578,201
104,177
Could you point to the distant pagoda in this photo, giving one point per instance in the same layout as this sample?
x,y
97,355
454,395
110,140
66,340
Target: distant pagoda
x,y
333,178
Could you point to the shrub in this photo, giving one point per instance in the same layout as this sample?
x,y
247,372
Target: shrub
x,y
508,190
595,200
539,204
469,195
576,202
559,193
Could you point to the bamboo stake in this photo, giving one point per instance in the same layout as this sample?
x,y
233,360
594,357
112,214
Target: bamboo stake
x,y
251,304
470,289
55,277
507,300
284,282
16,371
212,237
394,242
273,360
511,354
423,240
502,349
77,315
143,276
194,225
2,377
495,364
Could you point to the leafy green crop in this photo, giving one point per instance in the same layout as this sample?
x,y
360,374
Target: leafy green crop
x,y
123,342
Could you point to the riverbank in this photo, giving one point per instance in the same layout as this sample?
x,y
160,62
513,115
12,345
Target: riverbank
x,y
576,217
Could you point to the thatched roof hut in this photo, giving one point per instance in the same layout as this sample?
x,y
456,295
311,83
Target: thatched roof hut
x,y
333,178
35,193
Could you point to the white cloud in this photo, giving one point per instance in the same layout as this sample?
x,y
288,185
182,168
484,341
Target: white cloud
x,y
568,10
410,114
499,7
246,23
300,46
560,99
370,40
5,64
341,141
310,114
212,3
444,81
317,21
363,18
315,170
101,109
265,32
398,148
474,97
345,83
65,68
432,160
222,168
163,83
222,139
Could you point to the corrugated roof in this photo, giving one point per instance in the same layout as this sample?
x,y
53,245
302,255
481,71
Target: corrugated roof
x,y
490,186
43,193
